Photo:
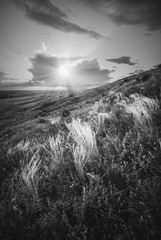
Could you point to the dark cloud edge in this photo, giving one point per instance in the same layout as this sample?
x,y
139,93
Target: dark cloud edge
x,y
145,12
5,76
56,19
122,60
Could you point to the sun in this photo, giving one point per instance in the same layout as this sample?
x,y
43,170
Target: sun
x,y
64,70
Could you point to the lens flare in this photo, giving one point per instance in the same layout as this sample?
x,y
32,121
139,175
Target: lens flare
x,y
64,71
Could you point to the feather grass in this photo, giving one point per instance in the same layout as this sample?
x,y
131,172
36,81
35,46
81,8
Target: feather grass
x,y
30,177
54,150
82,134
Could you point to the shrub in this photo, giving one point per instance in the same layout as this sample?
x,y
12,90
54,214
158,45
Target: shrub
x,y
141,108
125,113
65,113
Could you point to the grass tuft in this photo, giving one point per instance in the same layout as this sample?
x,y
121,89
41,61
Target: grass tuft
x,y
83,135
30,176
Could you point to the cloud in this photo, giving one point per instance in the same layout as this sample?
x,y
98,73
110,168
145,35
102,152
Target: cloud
x,y
44,12
89,73
2,74
6,80
133,12
5,76
147,34
44,67
122,60
44,70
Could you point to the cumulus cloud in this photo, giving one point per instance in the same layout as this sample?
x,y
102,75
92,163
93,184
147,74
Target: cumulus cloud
x,y
44,12
5,76
44,69
122,60
89,73
131,12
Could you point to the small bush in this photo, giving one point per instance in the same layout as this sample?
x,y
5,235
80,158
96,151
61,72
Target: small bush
x,y
65,113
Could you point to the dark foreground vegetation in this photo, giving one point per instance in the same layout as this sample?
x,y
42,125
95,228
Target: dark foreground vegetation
x,y
91,173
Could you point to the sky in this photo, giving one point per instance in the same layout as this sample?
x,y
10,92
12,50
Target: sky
x,y
76,44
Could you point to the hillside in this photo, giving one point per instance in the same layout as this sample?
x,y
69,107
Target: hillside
x,y
82,165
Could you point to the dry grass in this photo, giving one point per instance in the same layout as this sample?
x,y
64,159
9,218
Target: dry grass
x,y
26,146
80,156
141,109
23,146
83,135
84,148
54,149
30,176
107,180
55,121
99,106
100,121
137,110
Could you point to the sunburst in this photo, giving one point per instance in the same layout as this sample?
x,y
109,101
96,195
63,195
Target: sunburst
x,y
64,70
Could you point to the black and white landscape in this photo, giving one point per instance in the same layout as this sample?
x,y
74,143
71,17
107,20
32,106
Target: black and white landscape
x,y
80,128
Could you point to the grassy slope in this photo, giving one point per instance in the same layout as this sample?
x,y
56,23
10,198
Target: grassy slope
x,y
94,178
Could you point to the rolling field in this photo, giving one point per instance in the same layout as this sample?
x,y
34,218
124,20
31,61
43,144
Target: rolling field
x,y
18,108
